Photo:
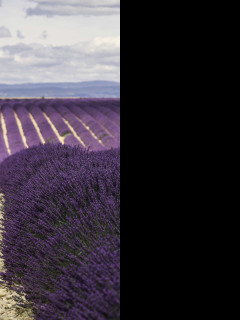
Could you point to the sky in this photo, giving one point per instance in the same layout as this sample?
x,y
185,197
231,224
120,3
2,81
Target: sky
x,y
59,41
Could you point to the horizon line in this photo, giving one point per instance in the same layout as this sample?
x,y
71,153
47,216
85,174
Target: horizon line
x,y
27,83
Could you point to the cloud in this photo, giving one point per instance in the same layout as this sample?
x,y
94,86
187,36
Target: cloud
x,y
19,34
4,32
98,59
75,7
44,35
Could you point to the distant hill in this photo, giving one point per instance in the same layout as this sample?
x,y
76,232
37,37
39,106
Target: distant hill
x,y
92,89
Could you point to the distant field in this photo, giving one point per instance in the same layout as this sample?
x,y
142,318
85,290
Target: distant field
x,y
93,124
92,89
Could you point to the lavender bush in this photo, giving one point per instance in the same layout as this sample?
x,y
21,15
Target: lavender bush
x,y
61,232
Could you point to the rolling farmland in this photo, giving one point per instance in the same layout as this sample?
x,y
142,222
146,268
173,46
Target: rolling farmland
x,y
90,123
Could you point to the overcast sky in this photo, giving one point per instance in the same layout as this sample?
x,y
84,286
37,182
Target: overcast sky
x,y
59,40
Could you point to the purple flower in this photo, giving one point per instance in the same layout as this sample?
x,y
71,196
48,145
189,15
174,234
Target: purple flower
x,y
61,240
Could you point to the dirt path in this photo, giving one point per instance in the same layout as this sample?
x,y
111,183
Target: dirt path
x,y
8,299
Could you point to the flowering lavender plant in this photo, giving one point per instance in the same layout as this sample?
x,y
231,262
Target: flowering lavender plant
x,y
61,231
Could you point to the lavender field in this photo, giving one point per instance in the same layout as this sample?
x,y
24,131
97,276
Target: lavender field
x,y
60,207
60,160
89,123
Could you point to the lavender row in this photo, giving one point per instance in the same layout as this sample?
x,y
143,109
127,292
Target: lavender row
x,y
94,126
114,106
94,121
108,113
13,134
107,124
45,128
101,106
29,130
60,125
88,140
3,148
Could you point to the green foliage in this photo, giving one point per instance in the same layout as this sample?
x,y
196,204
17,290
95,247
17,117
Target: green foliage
x,y
66,134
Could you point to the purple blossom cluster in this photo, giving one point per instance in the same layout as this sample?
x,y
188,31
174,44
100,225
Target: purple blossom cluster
x,y
61,232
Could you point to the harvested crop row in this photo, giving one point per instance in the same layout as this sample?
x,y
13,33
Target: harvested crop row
x,y
63,226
